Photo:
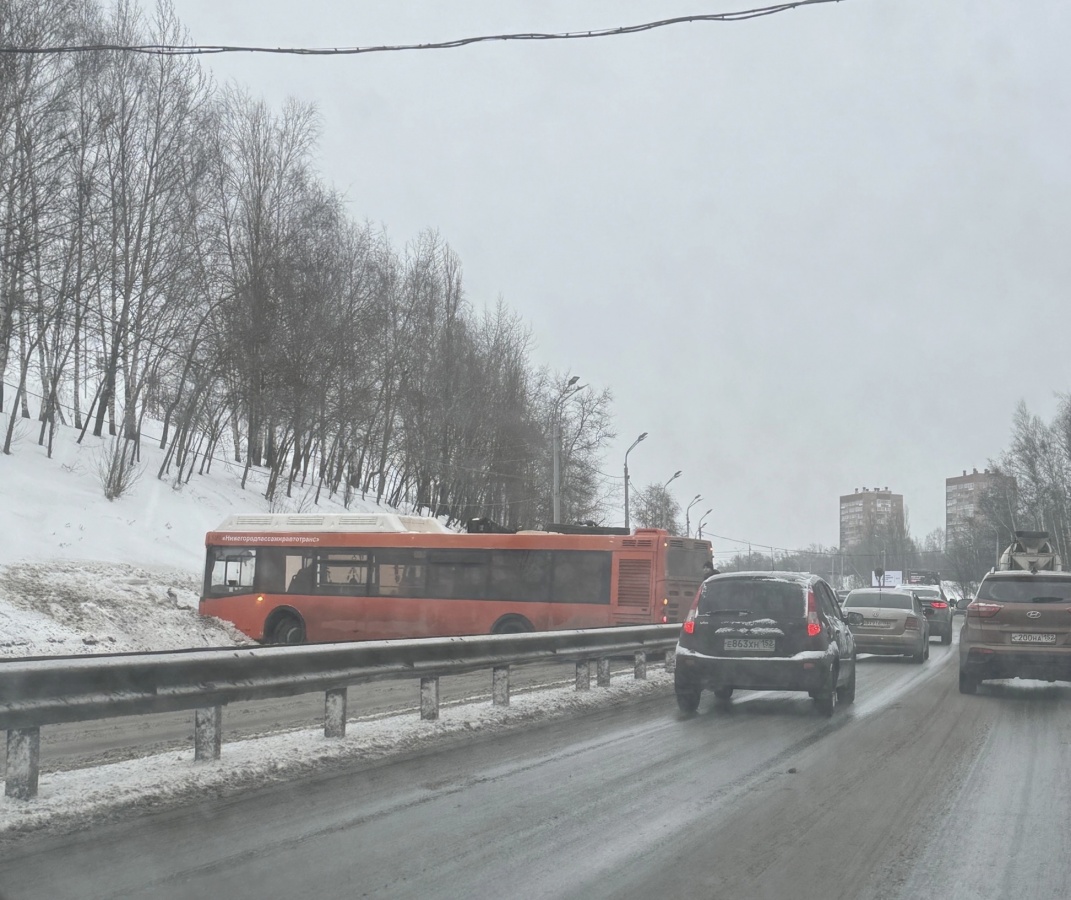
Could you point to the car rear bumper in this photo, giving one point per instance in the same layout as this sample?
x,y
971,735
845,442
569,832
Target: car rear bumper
x,y
887,643
804,672
981,663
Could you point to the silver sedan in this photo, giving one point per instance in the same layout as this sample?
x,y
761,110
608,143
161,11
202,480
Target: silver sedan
x,y
888,622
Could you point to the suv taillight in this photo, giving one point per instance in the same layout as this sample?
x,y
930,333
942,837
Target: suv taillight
x,y
938,604
912,624
814,627
983,610
689,622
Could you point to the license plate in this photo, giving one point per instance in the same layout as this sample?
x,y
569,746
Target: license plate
x,y
876,623
766,644
1033,639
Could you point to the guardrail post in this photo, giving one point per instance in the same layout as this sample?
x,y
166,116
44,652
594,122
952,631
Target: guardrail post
x,y
583,675
335,713
500,686
640,669
602,678
23,758
207,733
429,698
671,660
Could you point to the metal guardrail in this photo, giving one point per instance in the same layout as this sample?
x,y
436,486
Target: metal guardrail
x,y
53,690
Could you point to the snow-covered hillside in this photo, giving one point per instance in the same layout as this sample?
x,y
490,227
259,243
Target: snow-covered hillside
x,y
80,574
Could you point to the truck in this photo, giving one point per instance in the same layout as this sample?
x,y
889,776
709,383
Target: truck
x,y
1030,551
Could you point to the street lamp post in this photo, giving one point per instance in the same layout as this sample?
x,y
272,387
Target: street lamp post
x,y
627,452
663,501
556,438
687,515
703,520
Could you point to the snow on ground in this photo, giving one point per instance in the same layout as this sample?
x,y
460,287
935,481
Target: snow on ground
x,y
70,799
70,607
80,574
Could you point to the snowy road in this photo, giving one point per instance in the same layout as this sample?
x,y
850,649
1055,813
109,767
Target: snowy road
x,y
915,792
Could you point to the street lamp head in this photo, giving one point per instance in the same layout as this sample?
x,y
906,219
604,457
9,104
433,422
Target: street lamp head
x,y
632,446
573,380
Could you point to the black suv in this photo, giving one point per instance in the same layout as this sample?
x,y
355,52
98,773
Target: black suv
x,y
767,631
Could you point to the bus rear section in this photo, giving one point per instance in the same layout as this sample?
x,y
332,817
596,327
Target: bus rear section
x,y
667,569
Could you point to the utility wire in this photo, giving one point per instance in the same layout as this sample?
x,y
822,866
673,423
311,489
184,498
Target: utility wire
x,y
208,49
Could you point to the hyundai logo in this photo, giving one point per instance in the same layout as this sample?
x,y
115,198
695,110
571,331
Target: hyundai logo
x,y
1033,614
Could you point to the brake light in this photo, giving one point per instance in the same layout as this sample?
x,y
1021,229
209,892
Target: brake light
x,y
814,627
983,610
689,622
939,604
912,624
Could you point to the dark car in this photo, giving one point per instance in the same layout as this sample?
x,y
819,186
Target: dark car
x,y
936,607
767,631
1017,626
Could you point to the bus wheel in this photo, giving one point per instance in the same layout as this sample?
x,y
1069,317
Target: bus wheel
x,y
512,625
286,628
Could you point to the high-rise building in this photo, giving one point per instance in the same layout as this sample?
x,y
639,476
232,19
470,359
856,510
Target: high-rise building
x,y
867,511
963,496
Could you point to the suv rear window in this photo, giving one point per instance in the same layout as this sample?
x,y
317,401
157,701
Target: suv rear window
x,y
884,599
1026,589
760,597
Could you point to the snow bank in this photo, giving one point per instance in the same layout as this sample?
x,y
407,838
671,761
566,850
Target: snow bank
x,y
80,574
68,606
72,799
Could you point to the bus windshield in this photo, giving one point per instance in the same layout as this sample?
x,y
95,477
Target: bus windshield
x,y
689,563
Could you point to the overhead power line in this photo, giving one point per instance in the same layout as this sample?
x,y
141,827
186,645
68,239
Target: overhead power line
x,y
618,31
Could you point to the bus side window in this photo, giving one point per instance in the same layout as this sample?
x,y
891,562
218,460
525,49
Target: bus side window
x,y
520,575
400,572
458,574
303,581
581,576
344,573
270,574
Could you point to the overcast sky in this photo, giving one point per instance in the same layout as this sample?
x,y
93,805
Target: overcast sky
x,y
812,252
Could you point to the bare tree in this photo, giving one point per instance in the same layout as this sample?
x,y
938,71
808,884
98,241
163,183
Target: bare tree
x,y
656,508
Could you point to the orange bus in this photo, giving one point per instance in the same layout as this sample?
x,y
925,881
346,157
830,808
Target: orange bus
x,y
293,578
